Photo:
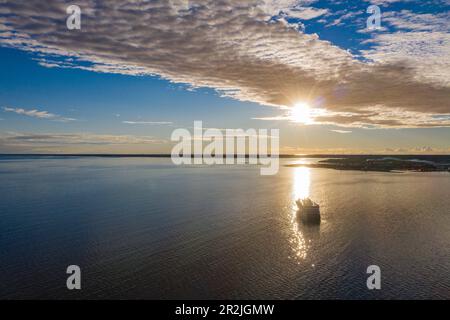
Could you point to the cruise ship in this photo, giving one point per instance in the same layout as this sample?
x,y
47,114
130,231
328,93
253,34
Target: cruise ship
x,y
308,211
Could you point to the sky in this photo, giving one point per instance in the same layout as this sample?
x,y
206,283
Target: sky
x,y
138,70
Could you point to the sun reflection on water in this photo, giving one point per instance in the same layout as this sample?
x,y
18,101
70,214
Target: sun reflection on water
x,y
300,189
301,182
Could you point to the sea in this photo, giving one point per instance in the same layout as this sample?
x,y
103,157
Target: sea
x,y
143,228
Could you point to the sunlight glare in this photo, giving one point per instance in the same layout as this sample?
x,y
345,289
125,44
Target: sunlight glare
x,y
302,182
301,113
300,190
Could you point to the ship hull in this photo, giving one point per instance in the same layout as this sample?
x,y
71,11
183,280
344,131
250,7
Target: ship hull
x,y
309,218
308,211
309,215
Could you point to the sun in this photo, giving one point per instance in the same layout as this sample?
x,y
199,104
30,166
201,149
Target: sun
x,y
301,113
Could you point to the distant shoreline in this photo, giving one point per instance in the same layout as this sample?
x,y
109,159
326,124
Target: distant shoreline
x,y
375,156
383,164
374,163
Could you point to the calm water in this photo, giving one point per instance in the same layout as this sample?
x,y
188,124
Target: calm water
x,y
142,228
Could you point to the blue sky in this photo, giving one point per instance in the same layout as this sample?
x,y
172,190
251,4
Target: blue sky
x,y
380,91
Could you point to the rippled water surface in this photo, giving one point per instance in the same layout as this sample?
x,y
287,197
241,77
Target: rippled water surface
x,y
142,228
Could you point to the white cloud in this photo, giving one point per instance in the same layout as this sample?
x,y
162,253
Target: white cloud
x,y
38,114
344,17
33,139
421,40
307,13
341,131
148,122
409,20
382,118
233,47
81,143
387,2
275,118
274,7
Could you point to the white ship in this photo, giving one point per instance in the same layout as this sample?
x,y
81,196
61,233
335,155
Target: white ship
x,y
308,211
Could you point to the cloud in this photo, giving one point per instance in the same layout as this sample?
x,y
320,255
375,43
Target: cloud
x,y
38,114
366,151
341,131
79,143
244,50
381,118
420,40
275,118
424,149
274,7
386,2
344,17
417,150
413,21
306,13
148,122
33,139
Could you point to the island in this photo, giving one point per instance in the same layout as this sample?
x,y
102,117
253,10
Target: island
x,y
381,164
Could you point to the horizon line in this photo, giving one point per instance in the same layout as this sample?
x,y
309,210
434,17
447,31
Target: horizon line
x,y
168,155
